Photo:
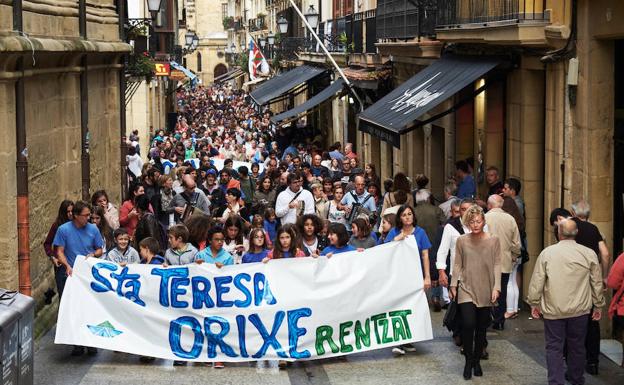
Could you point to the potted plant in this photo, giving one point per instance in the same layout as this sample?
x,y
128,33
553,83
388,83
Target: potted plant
x,y
228,22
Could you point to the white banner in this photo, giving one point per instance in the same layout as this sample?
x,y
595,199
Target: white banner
x,y
218,163
289,309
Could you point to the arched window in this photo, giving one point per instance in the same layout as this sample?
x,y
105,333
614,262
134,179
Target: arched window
x,y
199,63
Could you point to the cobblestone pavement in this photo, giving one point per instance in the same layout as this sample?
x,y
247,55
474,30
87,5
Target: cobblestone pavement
x,y
516,357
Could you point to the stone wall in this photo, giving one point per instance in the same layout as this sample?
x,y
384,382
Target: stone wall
x,y
104,135
53,139
8,217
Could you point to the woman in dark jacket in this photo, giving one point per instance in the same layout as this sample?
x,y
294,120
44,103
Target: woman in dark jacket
x,y
264,197
64,215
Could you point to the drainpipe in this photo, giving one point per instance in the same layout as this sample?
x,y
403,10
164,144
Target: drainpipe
x,y
21,166
122,101
85,162
84,131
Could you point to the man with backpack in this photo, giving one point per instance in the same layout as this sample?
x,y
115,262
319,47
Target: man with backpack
x,y
148,225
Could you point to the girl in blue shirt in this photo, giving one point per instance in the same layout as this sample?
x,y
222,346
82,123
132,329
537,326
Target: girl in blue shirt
x,y
257,246
338,240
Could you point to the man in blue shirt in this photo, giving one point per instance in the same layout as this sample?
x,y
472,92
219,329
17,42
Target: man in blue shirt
x,y
359,196
73,239
467,187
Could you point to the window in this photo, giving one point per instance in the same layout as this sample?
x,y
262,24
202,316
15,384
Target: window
x,y
199,63
224,10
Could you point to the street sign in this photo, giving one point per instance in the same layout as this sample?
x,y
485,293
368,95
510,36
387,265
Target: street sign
x,y
177,75
162,69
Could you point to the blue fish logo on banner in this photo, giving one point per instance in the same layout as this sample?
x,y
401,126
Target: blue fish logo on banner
x,y
105,329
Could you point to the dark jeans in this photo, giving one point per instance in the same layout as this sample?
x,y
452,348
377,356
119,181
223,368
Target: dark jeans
x,y
60,276
474,322
571,332
499,316
592,341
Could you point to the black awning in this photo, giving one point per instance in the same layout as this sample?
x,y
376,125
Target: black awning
x,y
225,76
327,93
233,75
397,112
283,82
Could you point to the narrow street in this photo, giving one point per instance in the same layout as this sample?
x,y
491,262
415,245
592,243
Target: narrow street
x,y
516,357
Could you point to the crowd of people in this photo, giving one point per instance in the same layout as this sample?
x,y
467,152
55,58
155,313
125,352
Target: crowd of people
x,y
226,187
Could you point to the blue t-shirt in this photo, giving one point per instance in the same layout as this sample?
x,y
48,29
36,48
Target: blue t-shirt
x,y
223,256
271,229
467,188
337,250
78,241
421,238
255,257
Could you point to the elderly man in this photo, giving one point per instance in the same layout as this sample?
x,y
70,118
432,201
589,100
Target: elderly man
x,y
449,197
429,217
566,285
505,228
589,236
191,198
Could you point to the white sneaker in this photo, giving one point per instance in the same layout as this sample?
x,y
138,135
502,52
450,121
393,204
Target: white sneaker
x,y
398,351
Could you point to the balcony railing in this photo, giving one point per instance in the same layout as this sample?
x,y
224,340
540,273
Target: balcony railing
x,y
406,19
257,24
290,47
456,12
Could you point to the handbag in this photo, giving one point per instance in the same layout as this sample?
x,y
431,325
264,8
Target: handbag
x,y
451,317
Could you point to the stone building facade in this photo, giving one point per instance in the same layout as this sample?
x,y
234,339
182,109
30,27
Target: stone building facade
x,y
60,110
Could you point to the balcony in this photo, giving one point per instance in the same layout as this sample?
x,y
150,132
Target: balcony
x,y
257,24
504,22
405,19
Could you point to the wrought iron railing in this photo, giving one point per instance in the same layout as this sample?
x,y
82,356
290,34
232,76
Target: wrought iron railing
x,y
406,19
454,12
289,48
257,24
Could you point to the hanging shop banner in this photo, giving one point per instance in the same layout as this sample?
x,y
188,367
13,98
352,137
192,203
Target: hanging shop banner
x,y
287,309
162,69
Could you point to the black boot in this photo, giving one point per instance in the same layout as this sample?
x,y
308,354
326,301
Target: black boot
x,y
468,369
478,372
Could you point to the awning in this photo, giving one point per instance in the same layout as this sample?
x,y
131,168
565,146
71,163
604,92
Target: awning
x,y
186,72
397,112
226,75
233,75
283,82
314,101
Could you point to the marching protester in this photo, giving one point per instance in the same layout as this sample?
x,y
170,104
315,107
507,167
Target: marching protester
x,y
475,285
566,312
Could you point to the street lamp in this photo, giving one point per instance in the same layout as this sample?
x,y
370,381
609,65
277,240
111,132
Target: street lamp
x,y
233,48
195,41
188,38
262,42
312,17
154,7
282,23
271,38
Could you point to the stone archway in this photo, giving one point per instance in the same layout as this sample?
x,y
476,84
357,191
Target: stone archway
x,y
219,70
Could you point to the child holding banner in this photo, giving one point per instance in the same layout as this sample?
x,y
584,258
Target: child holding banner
x,y
180,252
257,246
217,255
285,244
338,241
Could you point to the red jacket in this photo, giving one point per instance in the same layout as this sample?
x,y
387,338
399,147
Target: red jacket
x,y
615,281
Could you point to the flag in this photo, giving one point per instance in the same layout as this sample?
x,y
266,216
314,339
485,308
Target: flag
x,y
257,63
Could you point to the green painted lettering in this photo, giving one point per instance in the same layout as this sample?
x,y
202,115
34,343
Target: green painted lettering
x,y
385,338
344,347
362,336
375,320
403,314
324,334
